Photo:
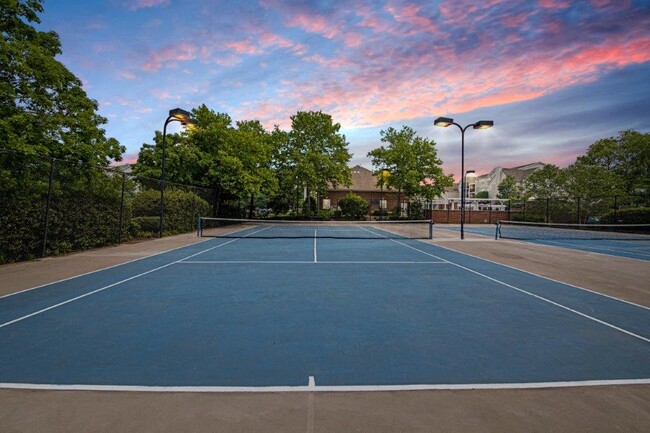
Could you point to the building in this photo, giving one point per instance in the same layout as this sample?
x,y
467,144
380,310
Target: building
x,y
487,182
490,182
364,184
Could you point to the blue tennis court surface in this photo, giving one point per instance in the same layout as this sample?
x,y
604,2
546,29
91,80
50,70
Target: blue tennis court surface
x,y
335,312
631,249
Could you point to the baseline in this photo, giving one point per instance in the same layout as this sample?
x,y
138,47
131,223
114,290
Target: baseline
x,y
312,387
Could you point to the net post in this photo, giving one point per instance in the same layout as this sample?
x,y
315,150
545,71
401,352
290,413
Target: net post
x,y
198,228
496,232
430,229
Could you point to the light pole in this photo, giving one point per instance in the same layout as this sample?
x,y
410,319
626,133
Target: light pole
x,y
481,124
175,115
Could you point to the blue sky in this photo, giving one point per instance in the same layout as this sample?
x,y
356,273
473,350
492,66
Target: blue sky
x,y
554,75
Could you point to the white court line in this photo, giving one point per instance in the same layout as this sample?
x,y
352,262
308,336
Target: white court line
x,y
602,322
109,286
261,262
314,388
548,278
103,269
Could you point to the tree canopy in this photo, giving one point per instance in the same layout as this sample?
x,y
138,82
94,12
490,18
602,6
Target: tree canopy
x,y
312,156
215,154
412,162
43,107
610,167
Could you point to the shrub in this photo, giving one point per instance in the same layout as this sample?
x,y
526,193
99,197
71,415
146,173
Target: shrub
x,y
415,210
182,209
640,215
353,207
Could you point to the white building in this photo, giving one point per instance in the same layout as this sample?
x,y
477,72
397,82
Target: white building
x,y
486,182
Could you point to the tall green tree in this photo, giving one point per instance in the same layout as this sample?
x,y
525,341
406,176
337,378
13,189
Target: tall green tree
x,y
585,180
314,154
43,107
412,162
627,156
508,188
548,182
234,160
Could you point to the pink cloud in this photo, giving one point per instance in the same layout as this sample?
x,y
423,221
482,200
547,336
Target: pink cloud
x,y
141,4
271,39
127,75
554,4
244,46
170,55
411,14
314,24
514,20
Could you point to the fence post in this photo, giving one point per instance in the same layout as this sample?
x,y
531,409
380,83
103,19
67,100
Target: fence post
x,y
47,206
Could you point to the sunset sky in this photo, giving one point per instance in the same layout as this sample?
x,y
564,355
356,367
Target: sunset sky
x,y
554,75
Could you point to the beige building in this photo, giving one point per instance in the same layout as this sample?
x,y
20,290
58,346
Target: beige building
x,y
364,184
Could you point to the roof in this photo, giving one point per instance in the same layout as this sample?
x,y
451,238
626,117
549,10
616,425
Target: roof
x,y
362,180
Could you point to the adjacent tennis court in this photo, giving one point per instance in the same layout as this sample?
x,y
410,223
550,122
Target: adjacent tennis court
x,y
622,240
318,313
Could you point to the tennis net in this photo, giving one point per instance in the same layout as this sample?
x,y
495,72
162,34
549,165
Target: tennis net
x,y
251,228
549,231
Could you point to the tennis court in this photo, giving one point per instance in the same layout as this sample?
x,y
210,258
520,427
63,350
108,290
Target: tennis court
x,y
312,313
623,240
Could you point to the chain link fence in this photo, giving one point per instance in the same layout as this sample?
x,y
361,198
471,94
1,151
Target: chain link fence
x,y
52,206
578,210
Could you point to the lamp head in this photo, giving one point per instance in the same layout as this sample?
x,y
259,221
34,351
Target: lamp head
x,y
179,114
443,122
189,123
484,124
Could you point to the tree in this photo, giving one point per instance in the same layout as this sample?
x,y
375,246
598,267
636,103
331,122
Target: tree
x,y
353,207
234,161
313,155
584,180
627,156
548,182
508,188
43,107
412,162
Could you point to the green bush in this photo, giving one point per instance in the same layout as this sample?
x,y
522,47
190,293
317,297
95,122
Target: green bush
x,y
182,209
380,214
324,215
527,218
640,215
415,210
482,194
143,227
353,207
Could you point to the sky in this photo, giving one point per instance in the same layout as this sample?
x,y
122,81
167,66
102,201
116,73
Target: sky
x,y
554,75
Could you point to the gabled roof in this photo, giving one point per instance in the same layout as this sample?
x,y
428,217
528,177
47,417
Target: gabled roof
x,y
362,180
